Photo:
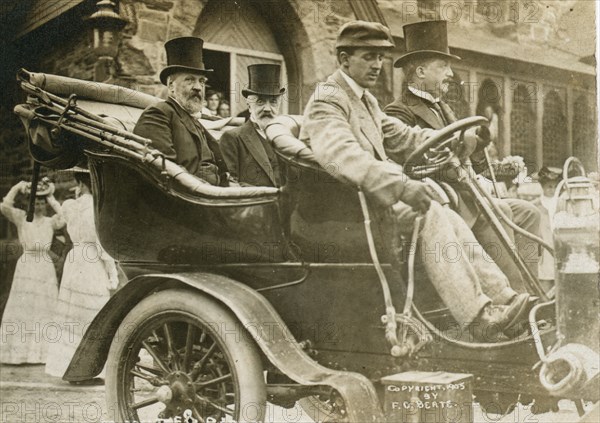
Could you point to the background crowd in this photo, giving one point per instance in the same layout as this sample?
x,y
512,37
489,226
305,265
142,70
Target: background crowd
x,y
62,278
215,105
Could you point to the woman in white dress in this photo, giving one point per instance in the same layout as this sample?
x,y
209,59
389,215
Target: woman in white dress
x,y
27,324
88,277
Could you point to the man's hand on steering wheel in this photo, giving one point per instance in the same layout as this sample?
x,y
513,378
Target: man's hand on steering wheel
x,y
418,195
484,138
457,140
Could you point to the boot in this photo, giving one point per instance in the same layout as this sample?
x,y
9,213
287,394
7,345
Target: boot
x,y
496,319
520,324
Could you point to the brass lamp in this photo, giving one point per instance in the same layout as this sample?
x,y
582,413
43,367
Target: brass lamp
x,y
106,26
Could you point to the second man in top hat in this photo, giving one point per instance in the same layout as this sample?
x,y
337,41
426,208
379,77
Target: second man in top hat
x,y
249,156
428,74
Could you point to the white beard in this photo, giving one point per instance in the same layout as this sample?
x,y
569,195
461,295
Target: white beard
x,y
191,105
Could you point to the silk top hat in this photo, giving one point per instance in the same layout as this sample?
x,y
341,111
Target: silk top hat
x,y
423,39
263,79
184,54
364,34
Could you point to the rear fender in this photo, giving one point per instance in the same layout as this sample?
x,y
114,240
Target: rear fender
x,y
257,316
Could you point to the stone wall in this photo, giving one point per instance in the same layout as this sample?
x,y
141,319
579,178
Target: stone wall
x,y
305,29
537,21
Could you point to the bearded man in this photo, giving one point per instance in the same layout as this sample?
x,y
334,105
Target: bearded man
x,y
171,125
248,154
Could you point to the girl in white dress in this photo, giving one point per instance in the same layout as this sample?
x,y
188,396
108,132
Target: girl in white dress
x,y
88,276
27,325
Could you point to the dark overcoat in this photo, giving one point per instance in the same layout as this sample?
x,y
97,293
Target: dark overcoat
x,y
414,111
246,157
181,138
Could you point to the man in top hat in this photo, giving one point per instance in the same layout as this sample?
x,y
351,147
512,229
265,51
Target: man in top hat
x,y
171,125
248,154
357,143
427,70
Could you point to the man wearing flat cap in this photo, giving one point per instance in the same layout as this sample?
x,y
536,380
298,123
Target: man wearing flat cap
x,y
248,154
426,64
357,143
170,124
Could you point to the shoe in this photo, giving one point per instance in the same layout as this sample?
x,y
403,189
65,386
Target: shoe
x,y
518,315
489,323
497,319
519,324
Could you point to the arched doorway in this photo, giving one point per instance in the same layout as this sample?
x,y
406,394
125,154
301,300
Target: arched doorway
x,y
523,126
456,98
554,124
488,105
585,141
236,36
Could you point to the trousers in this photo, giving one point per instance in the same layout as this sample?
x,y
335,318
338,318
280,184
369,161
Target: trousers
x,y
526,216
464,275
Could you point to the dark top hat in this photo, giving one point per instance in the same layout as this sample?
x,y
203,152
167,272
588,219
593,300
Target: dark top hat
x,y
183,54
263,79
424,39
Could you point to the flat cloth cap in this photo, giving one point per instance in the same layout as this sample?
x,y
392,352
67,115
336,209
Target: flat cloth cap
x,y
364,34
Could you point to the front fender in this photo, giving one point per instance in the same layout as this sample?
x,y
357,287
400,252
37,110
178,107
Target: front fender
x,y
256,314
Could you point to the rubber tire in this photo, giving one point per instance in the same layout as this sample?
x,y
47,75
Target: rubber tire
x,y
244,357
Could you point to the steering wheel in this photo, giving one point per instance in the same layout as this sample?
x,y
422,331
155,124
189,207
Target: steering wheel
x,y
437,151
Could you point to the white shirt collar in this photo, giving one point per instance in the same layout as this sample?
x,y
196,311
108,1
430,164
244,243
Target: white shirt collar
x,y
423,94
257,127
358,90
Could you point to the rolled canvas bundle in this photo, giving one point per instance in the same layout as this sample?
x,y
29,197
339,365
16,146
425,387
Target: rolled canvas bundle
x,y
60,129
96,91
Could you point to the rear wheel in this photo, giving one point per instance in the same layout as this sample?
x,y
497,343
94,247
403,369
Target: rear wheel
x,y
178,353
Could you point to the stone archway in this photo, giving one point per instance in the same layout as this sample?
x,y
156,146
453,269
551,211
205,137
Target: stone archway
x,y
523,121
489,105
585,140
554,138
304,31
290,25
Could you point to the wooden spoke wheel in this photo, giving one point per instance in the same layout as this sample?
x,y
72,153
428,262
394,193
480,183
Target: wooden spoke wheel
x,y
181,354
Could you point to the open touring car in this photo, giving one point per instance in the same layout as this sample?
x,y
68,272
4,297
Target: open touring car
x,y
242,295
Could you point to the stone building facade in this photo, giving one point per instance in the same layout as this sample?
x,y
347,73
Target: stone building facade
x,y
522,57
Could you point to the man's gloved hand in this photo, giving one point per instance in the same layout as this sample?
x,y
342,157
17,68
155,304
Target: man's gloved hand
x,y
418,195
484,138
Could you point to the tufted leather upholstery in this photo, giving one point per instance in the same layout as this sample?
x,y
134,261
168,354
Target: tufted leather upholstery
x,y
283,133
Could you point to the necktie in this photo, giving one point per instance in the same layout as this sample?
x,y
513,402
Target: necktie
x,y
364,100
366,103
447,112
440,113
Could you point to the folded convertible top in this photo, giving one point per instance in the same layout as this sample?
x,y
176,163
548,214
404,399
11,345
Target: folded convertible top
x,y
90,90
